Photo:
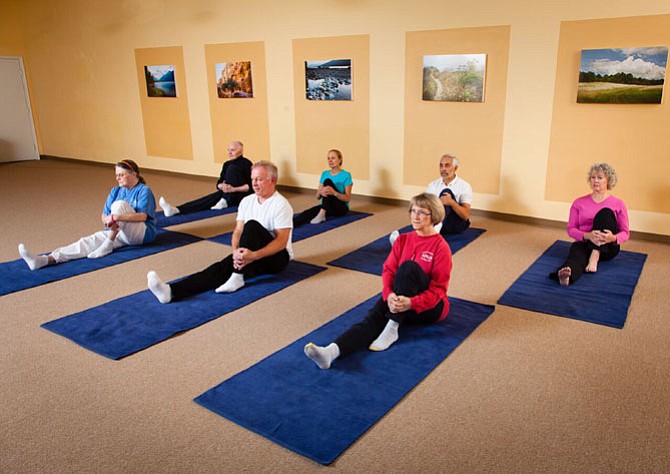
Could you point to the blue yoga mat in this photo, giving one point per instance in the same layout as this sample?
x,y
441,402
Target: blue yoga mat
x,y
307,230
16,276
371,257
602,297
162,221
127,325
320,413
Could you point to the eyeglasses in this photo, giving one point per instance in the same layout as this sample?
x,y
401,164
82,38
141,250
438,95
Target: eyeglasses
x,y
420,212
122,175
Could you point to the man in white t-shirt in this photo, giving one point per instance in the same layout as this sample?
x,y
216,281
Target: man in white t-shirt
x,y
456,195
261,243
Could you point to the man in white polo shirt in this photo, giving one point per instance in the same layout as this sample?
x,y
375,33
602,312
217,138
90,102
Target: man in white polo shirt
x,y
456,195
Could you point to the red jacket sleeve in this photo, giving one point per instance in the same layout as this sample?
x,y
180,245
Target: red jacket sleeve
x,y
439,281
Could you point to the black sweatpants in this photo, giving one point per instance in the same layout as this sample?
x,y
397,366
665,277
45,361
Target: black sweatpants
x,y
254,237
452,222
333,206
579,253
410,281
206,202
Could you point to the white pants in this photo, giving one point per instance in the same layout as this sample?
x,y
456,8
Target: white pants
x,y
130,233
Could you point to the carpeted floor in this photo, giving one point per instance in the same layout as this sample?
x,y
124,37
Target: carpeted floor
x,y
527,392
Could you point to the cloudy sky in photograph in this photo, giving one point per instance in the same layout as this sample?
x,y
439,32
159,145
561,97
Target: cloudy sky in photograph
x,y
647,63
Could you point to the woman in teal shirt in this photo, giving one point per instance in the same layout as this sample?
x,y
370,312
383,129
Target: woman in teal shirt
x,y
334,191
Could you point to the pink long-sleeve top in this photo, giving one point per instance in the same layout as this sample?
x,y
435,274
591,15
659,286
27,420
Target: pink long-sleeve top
x,y
433,255
584,209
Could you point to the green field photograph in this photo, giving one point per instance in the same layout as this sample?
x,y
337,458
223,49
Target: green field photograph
x,y
622,76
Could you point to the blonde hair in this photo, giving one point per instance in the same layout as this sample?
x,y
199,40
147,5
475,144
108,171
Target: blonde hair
x,y
338,153
607,170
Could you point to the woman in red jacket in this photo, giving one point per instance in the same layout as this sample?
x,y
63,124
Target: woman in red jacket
x,y
415,279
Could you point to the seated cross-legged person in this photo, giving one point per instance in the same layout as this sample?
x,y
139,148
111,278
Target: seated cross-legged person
x,y
234,184
599,224
128,217
415,280
261,243
456,196
334,191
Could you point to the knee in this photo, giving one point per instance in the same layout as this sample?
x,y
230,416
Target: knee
x,y
254,235
408,269
448,191
605,219
121,207
410,279
252,226
605,212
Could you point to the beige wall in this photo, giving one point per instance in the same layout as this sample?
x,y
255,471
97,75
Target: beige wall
x,y
636,138
324,125
473,131
237,119
167,129
80,60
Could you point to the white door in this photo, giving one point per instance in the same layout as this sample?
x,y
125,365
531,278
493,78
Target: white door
x,y
17,132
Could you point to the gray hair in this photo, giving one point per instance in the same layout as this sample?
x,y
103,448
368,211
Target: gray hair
x,y
607,170
269,168
454,159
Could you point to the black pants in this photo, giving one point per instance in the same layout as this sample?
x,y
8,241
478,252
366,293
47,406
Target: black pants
x,y
579,253
254,237
452,222
333,206
410,280
206,202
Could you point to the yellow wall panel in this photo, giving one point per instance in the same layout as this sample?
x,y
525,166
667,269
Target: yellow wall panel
x,y
242,119
633,138
471,130
324,124
167,128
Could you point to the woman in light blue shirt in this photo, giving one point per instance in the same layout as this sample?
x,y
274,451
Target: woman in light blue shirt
x,y
128,217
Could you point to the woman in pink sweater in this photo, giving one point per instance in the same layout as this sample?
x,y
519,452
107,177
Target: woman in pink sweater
x,y
599,224
415,279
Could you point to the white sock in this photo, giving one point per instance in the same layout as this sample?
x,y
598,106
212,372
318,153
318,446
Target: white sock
x,y
234,283
322,356
388,336
394,235
320,217
105,249
222,204
35,262
161,290
168,209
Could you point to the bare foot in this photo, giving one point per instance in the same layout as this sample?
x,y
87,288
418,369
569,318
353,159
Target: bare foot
x,y
592,266
564,276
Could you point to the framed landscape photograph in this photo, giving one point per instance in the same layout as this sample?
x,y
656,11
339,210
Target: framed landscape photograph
x,y
233,80
328,79
454,77
160,81
622,76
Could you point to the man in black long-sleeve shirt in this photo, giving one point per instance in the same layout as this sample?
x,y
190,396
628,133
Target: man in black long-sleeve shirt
x,y
234,183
